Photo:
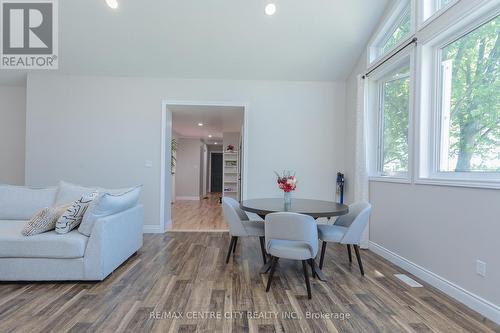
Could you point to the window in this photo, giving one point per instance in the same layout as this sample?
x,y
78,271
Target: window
x,y
469,102
434,110
401,30
396,30
394,92
431,7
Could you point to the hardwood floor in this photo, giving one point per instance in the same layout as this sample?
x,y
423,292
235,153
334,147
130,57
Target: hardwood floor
x,y
177,276
202,215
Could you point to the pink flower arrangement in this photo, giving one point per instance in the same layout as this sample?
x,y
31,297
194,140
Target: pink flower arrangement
x,y
286,181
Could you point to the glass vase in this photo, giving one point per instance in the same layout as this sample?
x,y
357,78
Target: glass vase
x,y
287,198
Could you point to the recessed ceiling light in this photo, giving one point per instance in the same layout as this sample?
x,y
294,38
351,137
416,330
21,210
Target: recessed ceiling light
x,y
215,143
270,9
200,124
112,3
210,135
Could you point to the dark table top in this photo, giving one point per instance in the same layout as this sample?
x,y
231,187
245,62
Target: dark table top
x,y
314,208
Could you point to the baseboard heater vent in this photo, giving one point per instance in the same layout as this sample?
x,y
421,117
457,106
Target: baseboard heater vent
x,y
408,280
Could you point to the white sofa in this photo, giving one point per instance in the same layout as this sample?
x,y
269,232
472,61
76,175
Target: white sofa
x,y
73,256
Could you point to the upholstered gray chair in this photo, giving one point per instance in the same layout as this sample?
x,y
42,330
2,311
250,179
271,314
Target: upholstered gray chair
x,y
348,230
291,236
242,224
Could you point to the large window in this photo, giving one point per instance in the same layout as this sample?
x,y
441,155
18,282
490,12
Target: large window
x,y
393,119
434,109
469,124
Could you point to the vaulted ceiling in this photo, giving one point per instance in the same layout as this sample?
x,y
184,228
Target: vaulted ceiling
x,y
222,39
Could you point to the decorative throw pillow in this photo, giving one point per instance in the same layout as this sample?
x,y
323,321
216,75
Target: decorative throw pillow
x,y
108,204
72,217
43,221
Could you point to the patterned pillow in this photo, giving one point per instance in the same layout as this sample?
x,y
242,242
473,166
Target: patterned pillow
x,y
72,217
43,221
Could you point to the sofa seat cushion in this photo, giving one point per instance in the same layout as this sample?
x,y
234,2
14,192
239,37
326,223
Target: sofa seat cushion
x,y
46,245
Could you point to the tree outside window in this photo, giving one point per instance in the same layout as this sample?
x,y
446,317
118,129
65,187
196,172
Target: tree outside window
x,y
395,92
470,102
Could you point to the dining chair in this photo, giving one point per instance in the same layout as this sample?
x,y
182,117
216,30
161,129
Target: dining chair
x,y
348,230
291,236
242,224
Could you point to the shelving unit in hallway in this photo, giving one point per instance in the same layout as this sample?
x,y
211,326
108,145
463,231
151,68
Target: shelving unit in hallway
x,y
230,180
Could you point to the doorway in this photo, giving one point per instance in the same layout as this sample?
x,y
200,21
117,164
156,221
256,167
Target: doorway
x,y
216,132
216,172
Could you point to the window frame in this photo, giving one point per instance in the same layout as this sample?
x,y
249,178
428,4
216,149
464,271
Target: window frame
x,y
375,117
429,144
424,8
391,22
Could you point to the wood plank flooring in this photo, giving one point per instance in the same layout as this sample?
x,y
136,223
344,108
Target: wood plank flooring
x,y
202,215
177,281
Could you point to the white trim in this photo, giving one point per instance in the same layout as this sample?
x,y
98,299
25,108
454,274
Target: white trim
x,y
473,301
163,146
457,183
193,198
389,179
164,109
422,22
201,230
152,229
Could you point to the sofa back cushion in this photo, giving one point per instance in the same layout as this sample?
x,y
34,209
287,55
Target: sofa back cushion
x,y
107,204
68,193
22,202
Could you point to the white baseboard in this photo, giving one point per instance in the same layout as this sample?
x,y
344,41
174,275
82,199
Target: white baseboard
x,y
187,198
473,301
156,229
152,229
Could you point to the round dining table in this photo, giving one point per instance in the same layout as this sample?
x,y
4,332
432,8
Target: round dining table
x,y
314,208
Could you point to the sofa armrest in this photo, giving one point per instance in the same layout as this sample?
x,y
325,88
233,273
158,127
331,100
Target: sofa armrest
x,y
113,240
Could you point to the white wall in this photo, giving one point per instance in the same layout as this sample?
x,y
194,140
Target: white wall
x,y
187,182
100,130
442,229
12,134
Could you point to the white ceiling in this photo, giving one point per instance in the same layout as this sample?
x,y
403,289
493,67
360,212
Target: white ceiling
x,y
224,39
215,120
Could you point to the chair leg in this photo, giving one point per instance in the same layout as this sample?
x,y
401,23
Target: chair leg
x,y
349,252
311,263
356,249
271,273
323,249
234,246
231,245
263,249
306,275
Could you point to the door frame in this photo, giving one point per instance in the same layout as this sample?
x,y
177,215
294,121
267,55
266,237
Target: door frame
x,y
166,136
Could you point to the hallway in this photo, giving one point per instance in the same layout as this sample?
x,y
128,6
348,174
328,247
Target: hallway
x,y
202,215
